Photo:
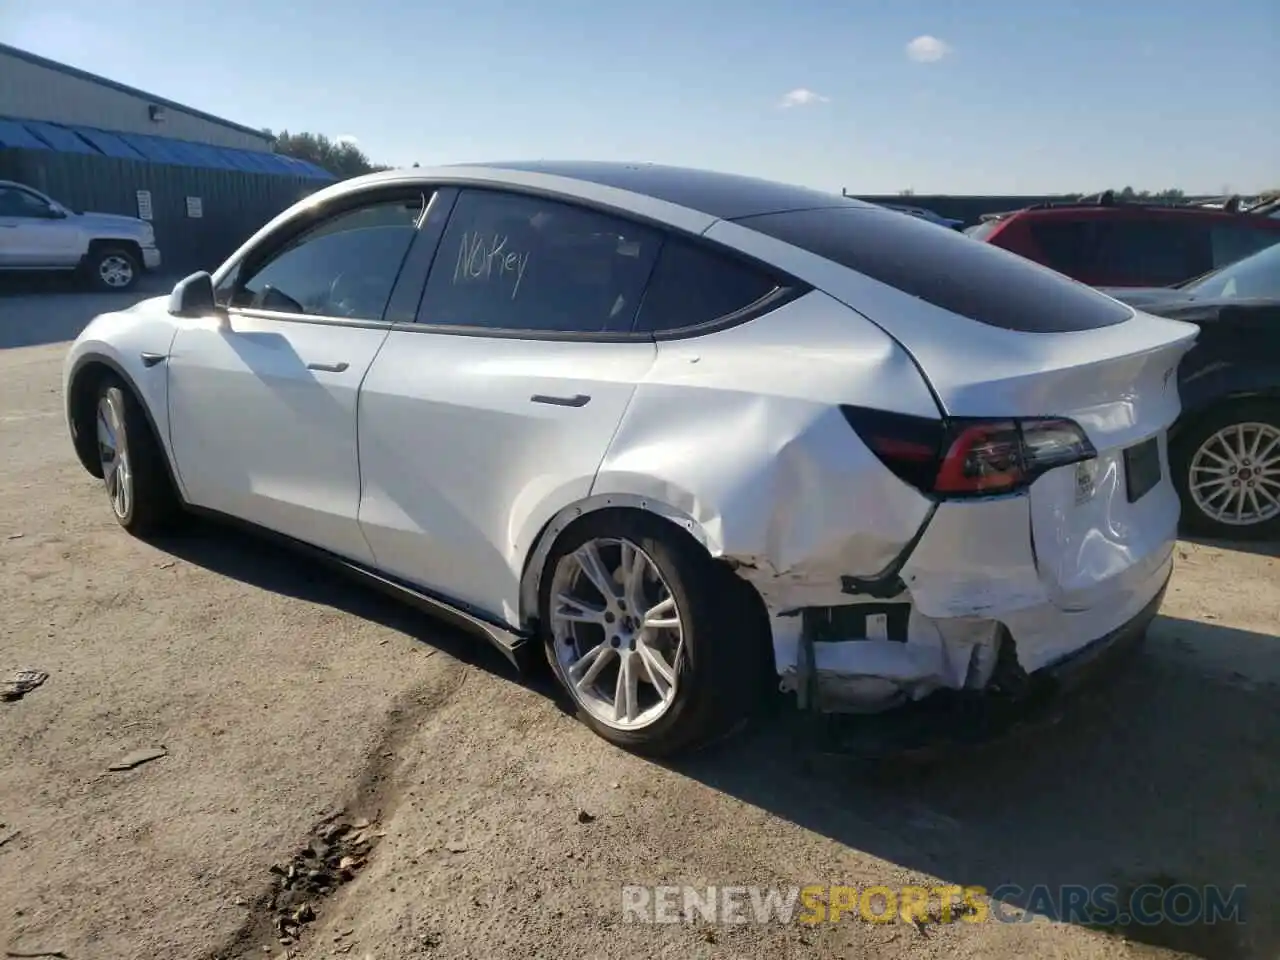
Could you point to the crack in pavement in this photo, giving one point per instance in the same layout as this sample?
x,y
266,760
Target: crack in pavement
x,y
341,842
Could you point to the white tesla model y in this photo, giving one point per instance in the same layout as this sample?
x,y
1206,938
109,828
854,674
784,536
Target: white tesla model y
x,y
671,425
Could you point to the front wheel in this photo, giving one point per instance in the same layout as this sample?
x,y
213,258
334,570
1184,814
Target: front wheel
x,y
645,633
1226,465
133,467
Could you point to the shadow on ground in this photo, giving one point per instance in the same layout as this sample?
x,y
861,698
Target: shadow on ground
x,y
265,564
1167,773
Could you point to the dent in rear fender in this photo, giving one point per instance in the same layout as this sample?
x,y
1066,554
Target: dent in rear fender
x,y
741,432
976,559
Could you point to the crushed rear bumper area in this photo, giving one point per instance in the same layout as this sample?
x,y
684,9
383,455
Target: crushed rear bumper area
x,y
949,720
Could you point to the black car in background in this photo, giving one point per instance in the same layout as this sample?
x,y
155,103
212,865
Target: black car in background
x,y
1224,450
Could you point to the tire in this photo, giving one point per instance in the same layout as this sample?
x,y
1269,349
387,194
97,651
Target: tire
x,y
113,269
134,470
1192,452
717,666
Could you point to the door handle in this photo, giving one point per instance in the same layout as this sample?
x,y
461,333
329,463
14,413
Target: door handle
x,y
577,400
329,367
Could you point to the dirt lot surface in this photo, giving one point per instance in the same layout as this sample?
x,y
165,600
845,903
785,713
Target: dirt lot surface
x,y
293,706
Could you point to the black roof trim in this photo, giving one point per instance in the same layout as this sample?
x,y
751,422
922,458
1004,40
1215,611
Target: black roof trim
x,y
726,196
79,74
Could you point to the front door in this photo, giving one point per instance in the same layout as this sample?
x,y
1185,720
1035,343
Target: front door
x,y
262,406
32,234
495,409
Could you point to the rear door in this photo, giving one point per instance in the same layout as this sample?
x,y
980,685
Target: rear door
x,y
494,408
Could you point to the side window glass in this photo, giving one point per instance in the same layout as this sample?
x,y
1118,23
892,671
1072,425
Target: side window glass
x,y
692,285
19,203
1067,246
343,267
1232,243
514,262
1156,253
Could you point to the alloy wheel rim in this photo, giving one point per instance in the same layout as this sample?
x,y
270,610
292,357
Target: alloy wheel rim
x,y
115,271
113,452
1234,477
618,633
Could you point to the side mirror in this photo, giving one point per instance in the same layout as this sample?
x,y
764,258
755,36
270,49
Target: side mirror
x,y
193,297
57,213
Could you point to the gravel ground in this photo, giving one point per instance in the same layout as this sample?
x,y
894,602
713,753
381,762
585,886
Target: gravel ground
x,y
293,707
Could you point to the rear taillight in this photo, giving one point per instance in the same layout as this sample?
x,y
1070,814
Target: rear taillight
x,y
957,458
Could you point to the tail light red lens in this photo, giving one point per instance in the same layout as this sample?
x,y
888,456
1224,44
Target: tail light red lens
x,y
969,457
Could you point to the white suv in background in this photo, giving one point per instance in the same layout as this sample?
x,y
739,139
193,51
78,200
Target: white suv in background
x,y
38,233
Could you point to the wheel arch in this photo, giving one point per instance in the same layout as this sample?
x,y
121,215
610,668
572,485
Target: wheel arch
x,y
129,244
84,379
536,557
1207,406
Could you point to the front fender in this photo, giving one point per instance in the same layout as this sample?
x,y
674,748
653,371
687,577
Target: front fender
x,y
117,342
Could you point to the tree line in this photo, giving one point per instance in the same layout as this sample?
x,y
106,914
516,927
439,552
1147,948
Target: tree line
x,y
342,158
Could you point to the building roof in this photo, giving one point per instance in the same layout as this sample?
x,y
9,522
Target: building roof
x,y
132,91
146,148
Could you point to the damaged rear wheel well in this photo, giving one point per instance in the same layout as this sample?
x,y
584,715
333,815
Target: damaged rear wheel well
x,y
745,609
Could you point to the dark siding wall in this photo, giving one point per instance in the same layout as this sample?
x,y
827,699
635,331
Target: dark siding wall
x,y
235,204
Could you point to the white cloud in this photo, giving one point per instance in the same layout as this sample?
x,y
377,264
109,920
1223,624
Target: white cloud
x,y
927,49
347,138
801,97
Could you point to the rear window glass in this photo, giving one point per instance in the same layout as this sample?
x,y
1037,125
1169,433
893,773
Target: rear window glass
x,y
944,268
1066,245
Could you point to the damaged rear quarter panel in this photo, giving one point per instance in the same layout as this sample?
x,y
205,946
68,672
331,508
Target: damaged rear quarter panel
x,y
741,431
954,572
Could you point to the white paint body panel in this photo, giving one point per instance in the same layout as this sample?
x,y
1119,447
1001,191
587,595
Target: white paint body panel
x,y
740,430
1033,557
257,435
123,337
462,469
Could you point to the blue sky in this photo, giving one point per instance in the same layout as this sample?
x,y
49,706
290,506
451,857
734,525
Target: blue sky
x,y
1001,95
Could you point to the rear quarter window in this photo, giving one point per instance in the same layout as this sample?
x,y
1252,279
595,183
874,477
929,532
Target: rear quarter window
x,y
693,285
944,268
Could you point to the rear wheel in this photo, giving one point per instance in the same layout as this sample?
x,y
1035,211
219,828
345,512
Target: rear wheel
x,y
133,467
1227,468
112,268
643,630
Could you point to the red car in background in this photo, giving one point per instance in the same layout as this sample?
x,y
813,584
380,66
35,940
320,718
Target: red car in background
x,y
1110,243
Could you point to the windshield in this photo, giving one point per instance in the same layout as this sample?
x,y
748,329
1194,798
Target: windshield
x,y
1255,276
